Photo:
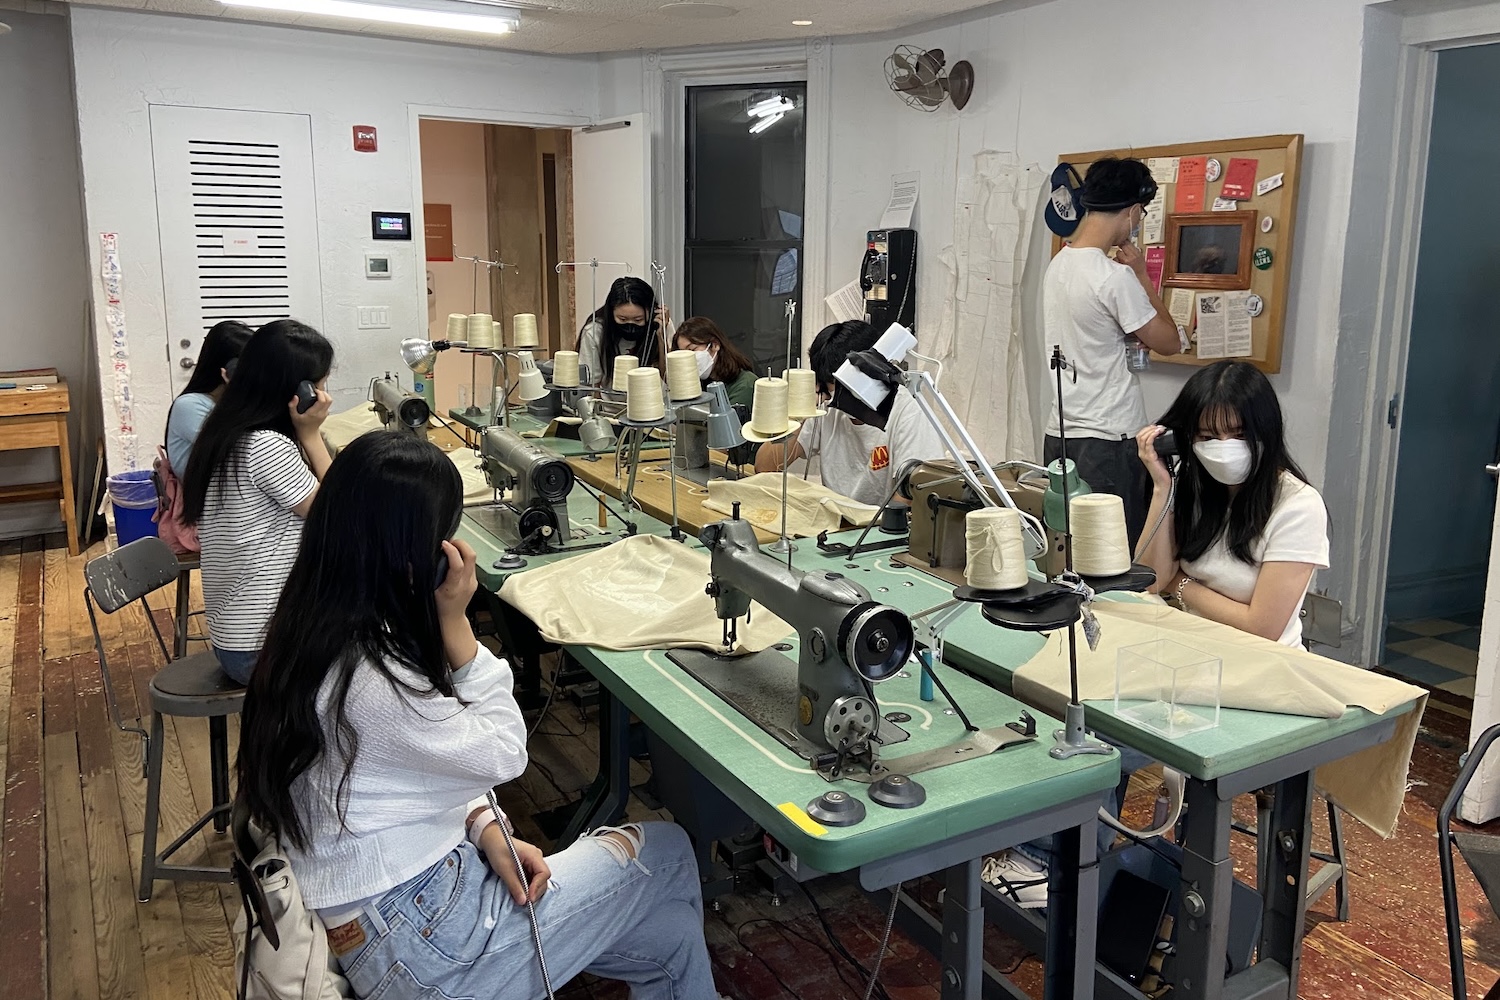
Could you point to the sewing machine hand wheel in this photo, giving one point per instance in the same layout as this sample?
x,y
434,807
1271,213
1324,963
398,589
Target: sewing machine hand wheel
x,y
877,641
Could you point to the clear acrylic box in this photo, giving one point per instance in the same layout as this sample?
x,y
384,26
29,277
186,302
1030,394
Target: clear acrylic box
x,y
1168,687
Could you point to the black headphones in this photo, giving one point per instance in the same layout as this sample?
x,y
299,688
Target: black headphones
x,y
1143,197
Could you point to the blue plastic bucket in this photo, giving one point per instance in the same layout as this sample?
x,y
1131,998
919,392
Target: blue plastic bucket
x,y
133,497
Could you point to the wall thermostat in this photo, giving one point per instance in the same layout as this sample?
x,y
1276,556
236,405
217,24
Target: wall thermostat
x,y
377,265
390,225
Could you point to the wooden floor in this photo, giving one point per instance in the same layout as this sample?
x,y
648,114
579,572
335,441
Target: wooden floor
x,y
72,809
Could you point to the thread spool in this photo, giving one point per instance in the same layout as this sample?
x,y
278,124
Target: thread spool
x,y
523,330
481,331
1097,521
499,334
458,326
802,393
623,366
643,399
682,375
996,554
565,369
768,417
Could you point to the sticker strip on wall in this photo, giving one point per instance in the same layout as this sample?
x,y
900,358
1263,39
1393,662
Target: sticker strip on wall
x,y
119,347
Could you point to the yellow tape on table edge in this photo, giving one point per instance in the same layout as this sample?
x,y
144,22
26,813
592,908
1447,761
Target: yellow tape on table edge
x,y
804,822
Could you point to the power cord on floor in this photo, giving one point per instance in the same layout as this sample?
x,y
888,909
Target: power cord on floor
x,y
885,939
838,945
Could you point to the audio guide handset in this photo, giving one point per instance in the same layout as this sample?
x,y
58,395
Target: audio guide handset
x,y
1166,445
307,396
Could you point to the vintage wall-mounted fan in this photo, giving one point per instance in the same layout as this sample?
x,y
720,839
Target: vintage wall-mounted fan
x,y
917,76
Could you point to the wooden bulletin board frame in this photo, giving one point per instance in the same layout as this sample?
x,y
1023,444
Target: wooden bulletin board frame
x,y
1275,154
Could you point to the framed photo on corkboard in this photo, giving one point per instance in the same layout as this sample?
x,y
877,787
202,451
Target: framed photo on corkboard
x,y
1223,222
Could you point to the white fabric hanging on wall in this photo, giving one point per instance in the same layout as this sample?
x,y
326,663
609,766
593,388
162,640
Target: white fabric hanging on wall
x,y
979,337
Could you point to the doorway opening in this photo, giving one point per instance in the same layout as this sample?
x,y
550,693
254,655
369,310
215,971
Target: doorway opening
x,y
495,193
1448,410
746,158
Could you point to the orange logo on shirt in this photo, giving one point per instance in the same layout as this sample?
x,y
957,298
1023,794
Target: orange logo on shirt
x,y
880,458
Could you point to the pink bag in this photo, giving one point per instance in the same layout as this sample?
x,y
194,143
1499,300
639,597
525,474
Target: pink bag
x,y
183,538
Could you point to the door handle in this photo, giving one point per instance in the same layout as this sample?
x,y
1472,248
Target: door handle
x,y
186,363
1493,470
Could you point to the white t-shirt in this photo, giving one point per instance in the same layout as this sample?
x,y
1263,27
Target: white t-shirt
x,y
250,534
858,460
1297,533
1089,304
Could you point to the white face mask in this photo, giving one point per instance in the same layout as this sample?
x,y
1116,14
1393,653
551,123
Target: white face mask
x,y
705,361
1227,461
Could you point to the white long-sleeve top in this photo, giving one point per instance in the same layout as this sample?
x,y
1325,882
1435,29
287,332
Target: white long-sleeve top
x,y
422,761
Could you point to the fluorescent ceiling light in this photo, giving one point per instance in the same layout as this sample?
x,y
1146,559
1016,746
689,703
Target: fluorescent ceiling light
x,y
454,15
777,105
802,24
766,123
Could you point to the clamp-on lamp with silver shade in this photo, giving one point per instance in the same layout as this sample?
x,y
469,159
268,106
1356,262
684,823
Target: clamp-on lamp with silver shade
x,y
421,355
533,384
723,423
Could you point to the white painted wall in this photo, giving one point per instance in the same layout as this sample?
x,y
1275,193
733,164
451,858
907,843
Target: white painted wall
x,y
43,287
1076,75
453,173
126,60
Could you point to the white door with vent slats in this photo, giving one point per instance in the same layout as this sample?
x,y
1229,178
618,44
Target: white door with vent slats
x,y
237,221
611,206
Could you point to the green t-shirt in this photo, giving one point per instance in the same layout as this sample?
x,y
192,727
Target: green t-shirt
x,y
742,389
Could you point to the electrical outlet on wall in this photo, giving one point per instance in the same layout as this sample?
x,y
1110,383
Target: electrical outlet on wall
x,y
374,317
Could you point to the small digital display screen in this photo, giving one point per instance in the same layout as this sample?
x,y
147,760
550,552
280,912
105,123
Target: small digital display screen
x,y
390,225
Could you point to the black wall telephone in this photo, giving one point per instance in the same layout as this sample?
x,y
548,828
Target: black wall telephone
x,y
1166,445
307,396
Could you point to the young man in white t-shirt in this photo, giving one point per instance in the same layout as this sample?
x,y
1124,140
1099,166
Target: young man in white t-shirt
x,y
1090,305
856,460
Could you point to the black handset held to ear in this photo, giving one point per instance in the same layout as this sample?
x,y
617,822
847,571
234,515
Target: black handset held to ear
x,y
442,569
307,396
1166,445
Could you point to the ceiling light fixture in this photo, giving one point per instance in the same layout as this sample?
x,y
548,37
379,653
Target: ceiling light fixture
x,y
453,15
802,24
775,105
766,123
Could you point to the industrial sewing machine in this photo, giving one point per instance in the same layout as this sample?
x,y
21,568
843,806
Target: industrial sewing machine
x,y
533,519
941,499
399,409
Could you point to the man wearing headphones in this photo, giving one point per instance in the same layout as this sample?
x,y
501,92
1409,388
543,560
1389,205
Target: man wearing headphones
x,y
1090,305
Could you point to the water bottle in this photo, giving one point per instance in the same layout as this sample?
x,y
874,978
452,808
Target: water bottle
x,y
1137,354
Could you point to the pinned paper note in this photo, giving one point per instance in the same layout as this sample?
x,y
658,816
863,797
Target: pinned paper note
x,y
847,303
1191,184
903,201
1212,325
1238,342
1155,219
1225,205
1180,307
1163,169
1156,262
1239,179
1268,184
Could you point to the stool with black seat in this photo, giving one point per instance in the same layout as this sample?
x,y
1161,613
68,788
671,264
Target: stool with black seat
x,y
186,686
1481,853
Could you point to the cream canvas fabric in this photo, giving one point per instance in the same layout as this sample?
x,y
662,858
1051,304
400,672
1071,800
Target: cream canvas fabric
x,y
341,428
810,507
643,592
1259,675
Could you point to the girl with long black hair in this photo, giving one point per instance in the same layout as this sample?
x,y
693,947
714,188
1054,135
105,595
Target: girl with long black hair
x,y
631,321
1246,532
221,346
251,480
375,724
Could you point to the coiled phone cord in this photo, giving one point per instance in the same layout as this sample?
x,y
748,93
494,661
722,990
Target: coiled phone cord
x,y
515,856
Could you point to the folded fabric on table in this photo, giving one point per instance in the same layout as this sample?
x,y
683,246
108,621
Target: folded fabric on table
x,y
810,507
642,592
1259,675
341,428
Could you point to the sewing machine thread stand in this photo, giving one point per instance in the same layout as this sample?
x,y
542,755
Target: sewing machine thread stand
x,y
1072,739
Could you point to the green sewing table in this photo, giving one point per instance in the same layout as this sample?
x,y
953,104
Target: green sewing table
x,y
972,809
1247,752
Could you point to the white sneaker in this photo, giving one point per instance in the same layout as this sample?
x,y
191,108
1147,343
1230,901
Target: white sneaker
x,y
1018,877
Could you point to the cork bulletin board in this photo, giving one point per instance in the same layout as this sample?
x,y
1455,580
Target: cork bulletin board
x,y
1221,230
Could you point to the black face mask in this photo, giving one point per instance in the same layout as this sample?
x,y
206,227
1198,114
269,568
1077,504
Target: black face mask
x,y
631,331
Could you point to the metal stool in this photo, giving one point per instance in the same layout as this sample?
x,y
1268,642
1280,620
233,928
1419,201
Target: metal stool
x,y
1335,871
191,687
181,616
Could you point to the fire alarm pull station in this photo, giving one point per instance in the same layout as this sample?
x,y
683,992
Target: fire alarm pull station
x,y
364,138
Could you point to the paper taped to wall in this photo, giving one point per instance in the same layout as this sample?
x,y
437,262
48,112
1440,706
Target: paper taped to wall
x,y
903,201
1237,339
847,303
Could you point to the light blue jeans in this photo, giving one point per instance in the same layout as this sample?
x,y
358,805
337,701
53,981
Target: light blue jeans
x,y
453,932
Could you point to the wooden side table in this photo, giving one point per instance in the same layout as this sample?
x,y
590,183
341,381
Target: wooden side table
x,y
38,418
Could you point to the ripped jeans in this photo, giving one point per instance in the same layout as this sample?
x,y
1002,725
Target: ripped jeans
x,y
453,931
